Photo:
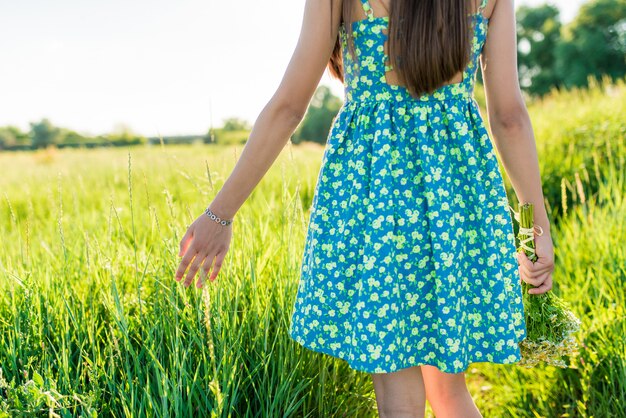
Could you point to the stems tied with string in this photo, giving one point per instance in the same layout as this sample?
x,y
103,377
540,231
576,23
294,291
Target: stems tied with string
x,y
549,322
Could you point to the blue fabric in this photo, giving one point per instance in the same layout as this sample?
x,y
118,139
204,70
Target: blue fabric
x,y
409,256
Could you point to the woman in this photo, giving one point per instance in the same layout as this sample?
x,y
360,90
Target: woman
x,y
408,270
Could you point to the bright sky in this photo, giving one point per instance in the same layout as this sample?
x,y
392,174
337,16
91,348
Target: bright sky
x,y
160,67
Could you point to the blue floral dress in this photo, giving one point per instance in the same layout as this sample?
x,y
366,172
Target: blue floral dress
x,y
409,256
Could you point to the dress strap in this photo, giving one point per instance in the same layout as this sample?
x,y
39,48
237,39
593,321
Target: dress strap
x,y
483,4
367,8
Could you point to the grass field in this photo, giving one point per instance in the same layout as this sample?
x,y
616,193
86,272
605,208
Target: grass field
x,y
92,322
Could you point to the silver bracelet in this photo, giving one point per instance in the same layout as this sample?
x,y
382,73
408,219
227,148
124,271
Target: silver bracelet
x,y
217,219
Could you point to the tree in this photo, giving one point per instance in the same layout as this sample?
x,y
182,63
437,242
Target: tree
x,y
43,133
233,131
67,136
123,135
11,136
236,124
594,44
551,55
319,117
538,34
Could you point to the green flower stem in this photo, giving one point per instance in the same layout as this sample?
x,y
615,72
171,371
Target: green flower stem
x,y
549,322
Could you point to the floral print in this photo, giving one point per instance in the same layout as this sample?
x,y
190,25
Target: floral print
x,y
409,256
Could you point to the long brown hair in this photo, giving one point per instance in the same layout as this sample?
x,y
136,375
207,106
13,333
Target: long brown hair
x,y
431,42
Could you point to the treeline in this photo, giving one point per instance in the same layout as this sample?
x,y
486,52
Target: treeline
x,y
551,56
43,134
233,131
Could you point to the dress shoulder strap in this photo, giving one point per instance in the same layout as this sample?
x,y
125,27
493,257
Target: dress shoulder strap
x,y
367,8
483,4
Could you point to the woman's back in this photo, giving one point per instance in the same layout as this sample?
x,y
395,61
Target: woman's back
x,y
368,74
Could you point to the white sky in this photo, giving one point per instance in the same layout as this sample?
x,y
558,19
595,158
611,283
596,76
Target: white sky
x,y
161,67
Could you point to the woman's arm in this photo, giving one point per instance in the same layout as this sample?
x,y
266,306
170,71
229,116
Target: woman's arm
x,y
282,114
508,117
205,240
513,136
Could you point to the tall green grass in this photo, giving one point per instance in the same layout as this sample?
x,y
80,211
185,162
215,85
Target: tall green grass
x,y
93,323
91,319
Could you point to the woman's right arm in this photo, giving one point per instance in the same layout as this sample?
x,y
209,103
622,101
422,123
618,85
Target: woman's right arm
x,y
287,107
205,239
512,132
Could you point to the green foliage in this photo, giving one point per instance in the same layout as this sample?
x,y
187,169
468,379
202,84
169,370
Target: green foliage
x,y
43,133
594,44
7,135
12,136
553,56
236,124
234,131
92,321
124,139
538,33
581,144
578,133
92,307
319,117
227,137
70,137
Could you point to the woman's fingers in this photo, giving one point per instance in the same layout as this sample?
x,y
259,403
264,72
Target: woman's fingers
x,y
203,243
206,268
193,269
534,273
543,288
189,255
218,265
531,274
534,269
538,281
204,271
538,274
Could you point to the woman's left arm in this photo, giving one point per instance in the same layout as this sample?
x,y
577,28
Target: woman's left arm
x,y
273,127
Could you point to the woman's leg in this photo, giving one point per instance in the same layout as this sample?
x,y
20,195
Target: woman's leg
x,y
400,394
448,395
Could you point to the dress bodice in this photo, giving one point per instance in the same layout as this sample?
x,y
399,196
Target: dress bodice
x,y
365,74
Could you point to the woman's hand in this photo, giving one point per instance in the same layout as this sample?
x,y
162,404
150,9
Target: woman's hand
x,y
539,273
204,241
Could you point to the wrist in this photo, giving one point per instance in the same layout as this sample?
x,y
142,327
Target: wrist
x,y
541,219
540,215
221,212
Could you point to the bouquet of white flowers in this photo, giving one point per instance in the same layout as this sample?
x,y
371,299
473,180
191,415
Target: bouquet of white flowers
x,y
549,322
